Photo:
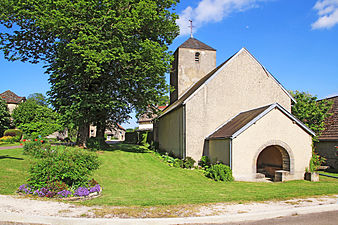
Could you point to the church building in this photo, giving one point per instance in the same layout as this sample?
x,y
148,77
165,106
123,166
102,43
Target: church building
x,y
236,113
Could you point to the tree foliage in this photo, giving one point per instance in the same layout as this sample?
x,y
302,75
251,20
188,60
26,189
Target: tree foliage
x,y
39,98
36,120
5,118
311,111
105,58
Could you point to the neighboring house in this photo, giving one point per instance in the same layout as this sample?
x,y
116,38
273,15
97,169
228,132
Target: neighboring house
x,y
328,140
145,122
236,113
11,99
116,133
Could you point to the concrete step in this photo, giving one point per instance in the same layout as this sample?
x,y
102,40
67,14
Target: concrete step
x,y
260,175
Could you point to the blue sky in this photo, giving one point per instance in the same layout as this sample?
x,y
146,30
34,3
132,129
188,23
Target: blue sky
x,y
297,41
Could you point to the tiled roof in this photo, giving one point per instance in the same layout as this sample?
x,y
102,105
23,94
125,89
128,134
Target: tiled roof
x,y
119,126
244,120
235,124
331,123
11,97
193,43
148,118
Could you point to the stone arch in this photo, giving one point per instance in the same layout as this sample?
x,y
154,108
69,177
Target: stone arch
x,y
286,153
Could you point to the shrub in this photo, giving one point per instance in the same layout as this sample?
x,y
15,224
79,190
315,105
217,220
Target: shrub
x,y
37,149
97,143
8,139
69,165
189,162
17,134
219,172
178,163
316,161
204,162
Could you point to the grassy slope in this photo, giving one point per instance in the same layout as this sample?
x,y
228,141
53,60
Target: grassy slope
x,y
13,170
135,178
132,178
4,144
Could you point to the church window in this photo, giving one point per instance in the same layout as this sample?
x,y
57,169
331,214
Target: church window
x,y
197,57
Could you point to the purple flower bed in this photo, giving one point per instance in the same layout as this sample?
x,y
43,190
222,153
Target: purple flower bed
x,y
96,188
46,192
25,189
81,191
64,193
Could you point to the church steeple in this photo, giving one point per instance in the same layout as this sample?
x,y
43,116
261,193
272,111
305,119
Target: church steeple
x,y
193,60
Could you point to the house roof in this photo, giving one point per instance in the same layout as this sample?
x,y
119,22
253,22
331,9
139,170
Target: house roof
x,y
204,80
148,118
11,97
242,121
193,43
331,123
118,127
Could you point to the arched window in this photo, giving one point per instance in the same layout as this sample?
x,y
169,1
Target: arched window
x,y
197,57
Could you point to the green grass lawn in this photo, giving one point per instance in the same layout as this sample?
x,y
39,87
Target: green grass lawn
x,y
130,176
329,173
4,144
13,170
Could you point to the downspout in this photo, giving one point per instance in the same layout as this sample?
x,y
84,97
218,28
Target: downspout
x,y
230,153
184,134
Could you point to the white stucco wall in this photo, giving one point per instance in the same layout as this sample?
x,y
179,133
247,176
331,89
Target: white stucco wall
x,y
170,132
273,129
11,107
241,85
190,71
145,126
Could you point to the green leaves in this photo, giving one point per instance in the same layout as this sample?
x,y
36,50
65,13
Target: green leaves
x,y
36,120
5,118
105,58
311,111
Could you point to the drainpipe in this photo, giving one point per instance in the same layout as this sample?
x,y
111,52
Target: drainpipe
x,y
184,135
230,153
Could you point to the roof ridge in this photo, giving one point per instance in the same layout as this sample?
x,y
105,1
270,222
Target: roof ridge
x,y
194,43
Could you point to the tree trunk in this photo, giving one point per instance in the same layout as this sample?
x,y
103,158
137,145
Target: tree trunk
x,y
100,129
83,135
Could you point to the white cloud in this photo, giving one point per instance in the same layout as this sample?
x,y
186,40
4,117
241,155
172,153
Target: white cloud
x,y
327,12
208,11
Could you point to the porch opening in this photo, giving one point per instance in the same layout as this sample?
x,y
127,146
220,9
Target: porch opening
x,y
272,158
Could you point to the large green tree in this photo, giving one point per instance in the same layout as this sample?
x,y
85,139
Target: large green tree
x,y
105,58
36,120
5,118
311,111
39,98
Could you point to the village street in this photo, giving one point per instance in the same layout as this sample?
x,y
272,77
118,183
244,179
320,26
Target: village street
x,y
320,210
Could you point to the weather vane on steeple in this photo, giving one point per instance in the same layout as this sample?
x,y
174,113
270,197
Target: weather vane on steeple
x,y
191,26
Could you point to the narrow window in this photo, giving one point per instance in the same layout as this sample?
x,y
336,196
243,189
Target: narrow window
x,y
197,57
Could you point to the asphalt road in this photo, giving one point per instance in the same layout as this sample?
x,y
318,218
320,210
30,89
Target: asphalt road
x,y
323,218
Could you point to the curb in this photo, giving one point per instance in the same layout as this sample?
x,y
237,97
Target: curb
x,y
17,217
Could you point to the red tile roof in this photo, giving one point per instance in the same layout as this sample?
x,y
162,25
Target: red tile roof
x,y
331,123
11,97
119,126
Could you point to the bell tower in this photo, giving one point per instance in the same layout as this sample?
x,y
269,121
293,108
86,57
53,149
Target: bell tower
x,y
192,61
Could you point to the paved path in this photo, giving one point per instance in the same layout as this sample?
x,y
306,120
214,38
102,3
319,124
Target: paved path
x,y
327,218
11,147
25,211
